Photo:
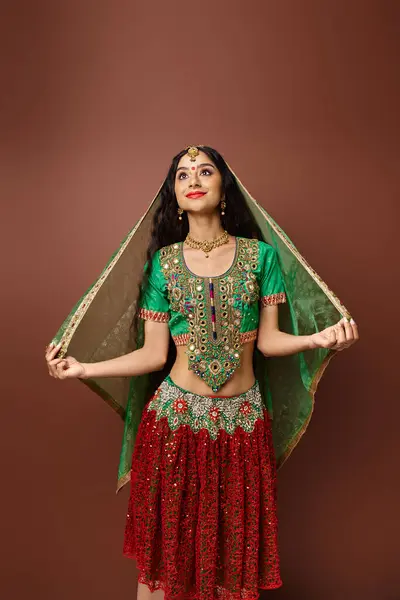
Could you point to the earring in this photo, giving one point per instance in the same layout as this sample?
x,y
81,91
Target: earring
x,y
180,213
223,207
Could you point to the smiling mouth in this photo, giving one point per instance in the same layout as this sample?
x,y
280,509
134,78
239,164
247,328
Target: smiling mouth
x,y
196,195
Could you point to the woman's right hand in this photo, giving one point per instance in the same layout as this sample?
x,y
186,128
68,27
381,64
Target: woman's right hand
x,y
63,368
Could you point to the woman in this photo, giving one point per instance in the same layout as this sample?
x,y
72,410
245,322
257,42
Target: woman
x,y
219,414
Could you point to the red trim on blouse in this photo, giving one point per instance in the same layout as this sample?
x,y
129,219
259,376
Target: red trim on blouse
x,y
273,299
153,315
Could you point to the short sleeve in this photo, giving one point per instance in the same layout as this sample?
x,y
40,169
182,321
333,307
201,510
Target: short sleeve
x,y
153,304
272,287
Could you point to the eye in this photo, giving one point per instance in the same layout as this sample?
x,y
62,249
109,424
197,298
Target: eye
x,y
182,175
206,172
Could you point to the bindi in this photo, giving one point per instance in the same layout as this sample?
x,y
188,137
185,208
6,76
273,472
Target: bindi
x,y
193,168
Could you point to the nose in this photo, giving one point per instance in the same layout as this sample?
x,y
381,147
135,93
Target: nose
x,y
194,179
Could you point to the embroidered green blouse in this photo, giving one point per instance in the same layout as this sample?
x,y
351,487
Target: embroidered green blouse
x,y
213,316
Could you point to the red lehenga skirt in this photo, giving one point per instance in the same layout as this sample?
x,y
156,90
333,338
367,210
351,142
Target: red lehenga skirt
x,y
201,518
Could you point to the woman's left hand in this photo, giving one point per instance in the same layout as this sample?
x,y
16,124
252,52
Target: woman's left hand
x,y
337,337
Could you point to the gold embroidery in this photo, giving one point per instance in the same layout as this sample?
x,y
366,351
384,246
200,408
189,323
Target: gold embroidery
x,y
273,299
182,339
172,269
213,308
123,481
153,315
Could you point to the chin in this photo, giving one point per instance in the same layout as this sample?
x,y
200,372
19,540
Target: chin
x,y
202,208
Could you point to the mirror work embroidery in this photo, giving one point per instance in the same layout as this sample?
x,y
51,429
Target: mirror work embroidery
x,y
213,309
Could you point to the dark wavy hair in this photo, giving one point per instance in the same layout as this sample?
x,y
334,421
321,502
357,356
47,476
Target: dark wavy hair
x,y
168,229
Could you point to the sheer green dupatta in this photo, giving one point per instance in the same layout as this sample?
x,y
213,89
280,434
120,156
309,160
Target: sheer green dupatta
x,y
289,383
99,328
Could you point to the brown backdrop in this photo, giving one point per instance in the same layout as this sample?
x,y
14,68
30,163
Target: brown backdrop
x,y
97,96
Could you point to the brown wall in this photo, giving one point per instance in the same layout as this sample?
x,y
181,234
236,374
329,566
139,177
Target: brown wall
x,y
300,97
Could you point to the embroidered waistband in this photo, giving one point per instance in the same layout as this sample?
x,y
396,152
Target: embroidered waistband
x,y
182,339
207,412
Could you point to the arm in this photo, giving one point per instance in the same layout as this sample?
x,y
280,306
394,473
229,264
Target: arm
x,y
273,342
151,357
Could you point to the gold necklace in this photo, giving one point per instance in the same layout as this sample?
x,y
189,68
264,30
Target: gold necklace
x,y
207,245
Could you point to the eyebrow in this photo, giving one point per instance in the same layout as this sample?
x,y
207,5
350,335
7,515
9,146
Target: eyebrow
x,y
202,165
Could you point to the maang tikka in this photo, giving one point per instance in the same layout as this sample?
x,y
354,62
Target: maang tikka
x,y
193,153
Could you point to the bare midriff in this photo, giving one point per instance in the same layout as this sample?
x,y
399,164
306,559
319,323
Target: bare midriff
x,y
241,381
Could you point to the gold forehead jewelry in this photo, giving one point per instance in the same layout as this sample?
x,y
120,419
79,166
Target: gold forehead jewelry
x,y
193,153
207,245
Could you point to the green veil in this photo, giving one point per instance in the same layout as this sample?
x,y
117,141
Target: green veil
x,y
99,328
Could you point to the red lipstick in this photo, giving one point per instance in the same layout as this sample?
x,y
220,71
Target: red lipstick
x,y
195,194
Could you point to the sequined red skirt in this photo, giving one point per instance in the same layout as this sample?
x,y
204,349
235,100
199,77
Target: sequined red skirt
x,y
201,518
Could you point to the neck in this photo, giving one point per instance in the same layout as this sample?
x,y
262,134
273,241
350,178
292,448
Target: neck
x,y
205,227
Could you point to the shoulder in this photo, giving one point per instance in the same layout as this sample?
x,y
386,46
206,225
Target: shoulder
x,y
167,258
166,254
264,255
266,249
154,265
263,248
168,250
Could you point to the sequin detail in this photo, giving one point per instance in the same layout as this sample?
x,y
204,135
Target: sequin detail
x,y
213,307
201,519
273,299
153,315
207,412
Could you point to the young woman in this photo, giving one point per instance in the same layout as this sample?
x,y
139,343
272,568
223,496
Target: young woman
x,y
223,290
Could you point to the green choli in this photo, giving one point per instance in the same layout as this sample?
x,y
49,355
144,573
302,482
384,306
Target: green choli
x,y
213,316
